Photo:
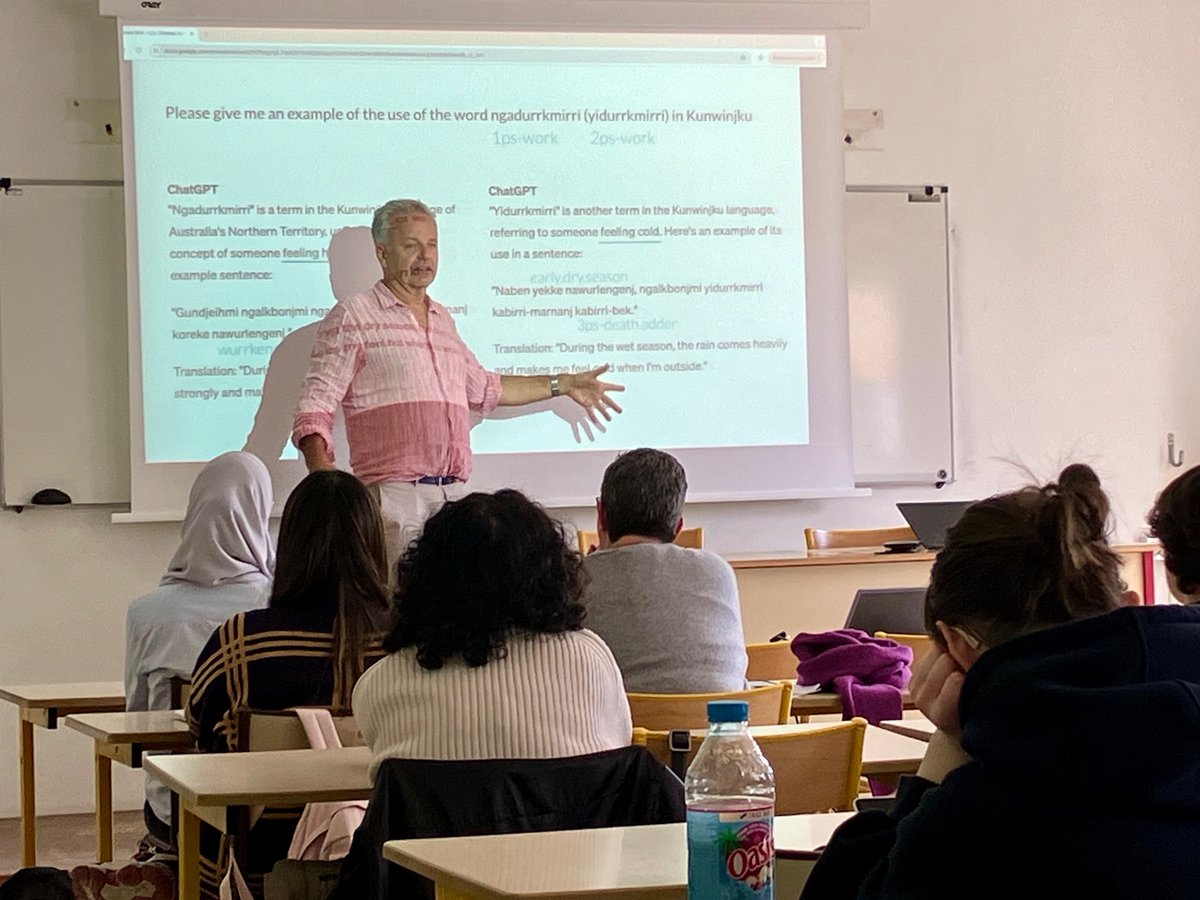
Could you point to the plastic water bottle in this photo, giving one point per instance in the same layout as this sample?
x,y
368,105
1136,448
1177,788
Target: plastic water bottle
x,y
730,793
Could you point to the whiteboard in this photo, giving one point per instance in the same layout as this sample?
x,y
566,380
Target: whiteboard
x,y
64,409
901,384
64,396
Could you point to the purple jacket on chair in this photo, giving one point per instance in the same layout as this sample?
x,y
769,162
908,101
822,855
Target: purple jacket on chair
x,y
868,673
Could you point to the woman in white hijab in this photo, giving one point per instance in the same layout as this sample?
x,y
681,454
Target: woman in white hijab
x,y
223,566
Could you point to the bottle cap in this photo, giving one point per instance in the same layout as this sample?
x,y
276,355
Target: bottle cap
x,y
728,711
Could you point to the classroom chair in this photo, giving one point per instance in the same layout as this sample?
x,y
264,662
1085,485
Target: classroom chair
x,y
259,730
770,661
181,691
842,538
816,770
279,729
769,705
420,798
692,538
921,644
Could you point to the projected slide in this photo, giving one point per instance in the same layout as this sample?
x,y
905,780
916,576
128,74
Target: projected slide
x,y
632,205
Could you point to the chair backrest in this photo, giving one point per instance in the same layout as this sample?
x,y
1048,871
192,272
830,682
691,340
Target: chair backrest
x,y
894,610
280,729
816,770
181,691
770,661
837,539
769,705
692,538
921,644
415,798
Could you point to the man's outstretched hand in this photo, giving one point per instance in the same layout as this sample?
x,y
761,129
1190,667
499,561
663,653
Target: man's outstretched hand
x,y
586,389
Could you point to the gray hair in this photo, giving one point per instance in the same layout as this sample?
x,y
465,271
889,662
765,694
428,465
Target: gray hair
x,y
642,493
381,225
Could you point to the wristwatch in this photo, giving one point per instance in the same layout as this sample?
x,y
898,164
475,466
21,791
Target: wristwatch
x,y
555,390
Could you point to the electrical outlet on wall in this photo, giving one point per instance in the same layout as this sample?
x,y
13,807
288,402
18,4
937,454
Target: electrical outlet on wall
x,y
94,121
862,129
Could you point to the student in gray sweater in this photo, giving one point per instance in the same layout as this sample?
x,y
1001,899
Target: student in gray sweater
x,y
670,615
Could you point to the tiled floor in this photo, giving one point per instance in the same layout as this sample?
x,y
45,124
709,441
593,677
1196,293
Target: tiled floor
x,y
66,841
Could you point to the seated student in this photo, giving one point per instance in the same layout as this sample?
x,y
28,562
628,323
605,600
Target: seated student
x,y
670,615
489,658
319,632
1066,760
1175,521
223,566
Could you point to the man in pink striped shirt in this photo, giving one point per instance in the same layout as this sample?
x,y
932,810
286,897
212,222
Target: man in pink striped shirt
x,y
407,383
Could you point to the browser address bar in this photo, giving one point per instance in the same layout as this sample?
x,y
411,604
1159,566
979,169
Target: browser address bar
x,y
497,55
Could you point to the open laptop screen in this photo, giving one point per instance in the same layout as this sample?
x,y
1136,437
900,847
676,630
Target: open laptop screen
x,y
931,521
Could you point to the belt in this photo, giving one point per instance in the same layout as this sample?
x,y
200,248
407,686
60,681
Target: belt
x,y
437,479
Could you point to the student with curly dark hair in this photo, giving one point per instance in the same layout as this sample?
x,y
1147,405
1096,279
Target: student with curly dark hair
x,y
1175,521
489,656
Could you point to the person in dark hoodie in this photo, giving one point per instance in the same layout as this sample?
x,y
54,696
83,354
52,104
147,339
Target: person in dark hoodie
x,y
1175,521
1066,763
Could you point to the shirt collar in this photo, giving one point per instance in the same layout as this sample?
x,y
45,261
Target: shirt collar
x,y
387,299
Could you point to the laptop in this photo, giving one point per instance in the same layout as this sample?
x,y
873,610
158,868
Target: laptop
x,y
931,521
895,610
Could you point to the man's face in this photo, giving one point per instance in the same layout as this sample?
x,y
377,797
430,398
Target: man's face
x,y
410,256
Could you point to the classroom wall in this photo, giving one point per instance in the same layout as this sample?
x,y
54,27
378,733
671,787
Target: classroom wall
x,y
1067,135
1066,132
65,575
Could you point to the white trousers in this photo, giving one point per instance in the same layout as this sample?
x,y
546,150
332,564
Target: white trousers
x,y
405,507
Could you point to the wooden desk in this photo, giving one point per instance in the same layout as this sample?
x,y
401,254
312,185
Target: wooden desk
x,y
852,556
888,753
44,704
795,591
885,752
219,788
646,862
124,737
847,556
917,727
828,703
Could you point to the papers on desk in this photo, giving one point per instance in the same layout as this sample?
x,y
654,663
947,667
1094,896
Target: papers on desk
x,y
796,688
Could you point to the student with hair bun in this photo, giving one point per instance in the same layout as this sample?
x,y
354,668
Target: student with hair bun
x,y
1175,521
1066,763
